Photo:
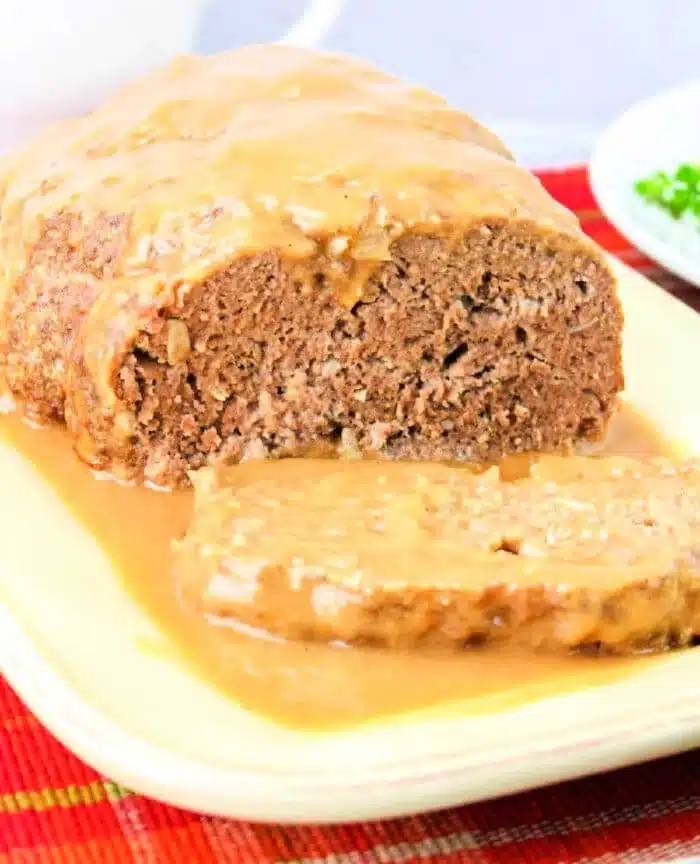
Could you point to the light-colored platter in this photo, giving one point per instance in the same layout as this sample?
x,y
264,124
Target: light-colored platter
x,y
79,650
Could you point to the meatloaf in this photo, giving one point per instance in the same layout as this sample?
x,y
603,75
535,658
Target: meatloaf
x,y
583,553
275,250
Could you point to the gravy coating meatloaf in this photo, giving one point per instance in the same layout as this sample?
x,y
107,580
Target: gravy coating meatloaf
x,y
253,253
583,553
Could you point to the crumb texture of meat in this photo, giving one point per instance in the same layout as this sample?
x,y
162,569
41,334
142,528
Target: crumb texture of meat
x,y
274,250
598,554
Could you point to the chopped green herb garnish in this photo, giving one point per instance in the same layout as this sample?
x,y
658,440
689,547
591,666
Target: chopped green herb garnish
x,y
677,193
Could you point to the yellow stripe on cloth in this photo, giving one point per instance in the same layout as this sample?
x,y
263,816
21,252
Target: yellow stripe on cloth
x,y
67,796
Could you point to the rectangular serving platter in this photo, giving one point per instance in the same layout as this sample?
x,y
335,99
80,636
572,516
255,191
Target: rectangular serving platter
x,y
73,643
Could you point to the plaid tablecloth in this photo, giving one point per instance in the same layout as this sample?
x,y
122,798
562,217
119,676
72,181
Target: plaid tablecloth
x,y
53,808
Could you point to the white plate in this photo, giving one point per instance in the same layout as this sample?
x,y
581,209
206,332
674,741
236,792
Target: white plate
x,y
658,133
72,643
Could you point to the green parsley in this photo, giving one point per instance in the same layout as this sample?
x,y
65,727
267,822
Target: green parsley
x,y
678,193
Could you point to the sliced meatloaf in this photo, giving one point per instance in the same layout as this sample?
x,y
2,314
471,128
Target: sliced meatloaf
x,y
275,250
583,553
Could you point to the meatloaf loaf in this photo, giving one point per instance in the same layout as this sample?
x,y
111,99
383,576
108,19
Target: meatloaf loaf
x,y
583,553
273,250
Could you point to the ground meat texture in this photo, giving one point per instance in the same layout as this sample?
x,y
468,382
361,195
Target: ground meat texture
x,y
585,553
252,275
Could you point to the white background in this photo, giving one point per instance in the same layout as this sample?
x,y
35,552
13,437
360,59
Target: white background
x,y
547,75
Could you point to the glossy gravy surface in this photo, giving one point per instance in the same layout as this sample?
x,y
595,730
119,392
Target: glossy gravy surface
x,y
299,685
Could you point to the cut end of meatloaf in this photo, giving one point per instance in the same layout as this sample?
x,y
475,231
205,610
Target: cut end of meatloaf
x,y
277,251
584,553
499,343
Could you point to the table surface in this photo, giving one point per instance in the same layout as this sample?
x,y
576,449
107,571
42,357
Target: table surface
x,y
54,808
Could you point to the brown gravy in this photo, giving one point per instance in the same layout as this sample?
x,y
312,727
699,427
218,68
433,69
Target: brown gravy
x,y
303,686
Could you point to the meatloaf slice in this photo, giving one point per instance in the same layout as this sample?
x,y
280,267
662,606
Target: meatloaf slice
x,y
273,250
583,553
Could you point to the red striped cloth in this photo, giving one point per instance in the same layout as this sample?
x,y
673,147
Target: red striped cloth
x,y
53,808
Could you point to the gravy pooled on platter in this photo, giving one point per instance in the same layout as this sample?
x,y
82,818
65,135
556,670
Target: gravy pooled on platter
x,y
302,685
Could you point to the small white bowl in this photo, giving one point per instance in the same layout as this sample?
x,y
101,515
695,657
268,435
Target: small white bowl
x,y
658,133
